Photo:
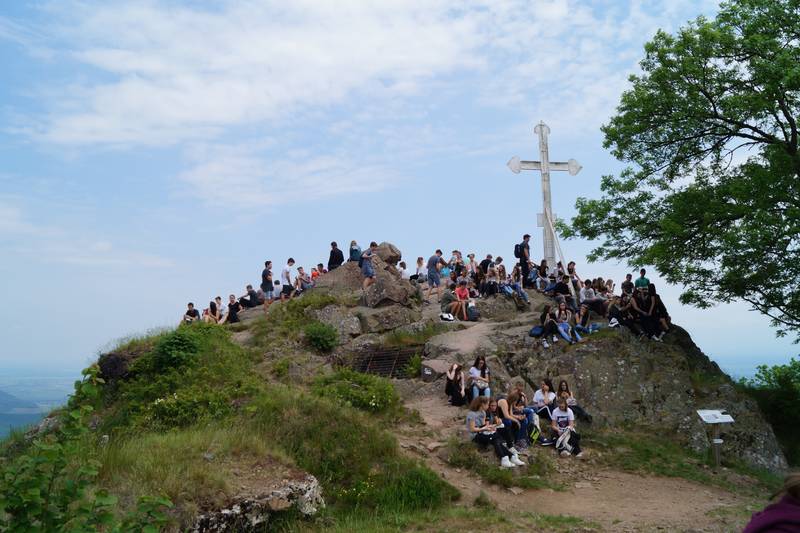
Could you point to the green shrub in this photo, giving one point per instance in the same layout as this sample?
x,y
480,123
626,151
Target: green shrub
x,y
321,336
362,391
405,338
414,367
777,391
290,317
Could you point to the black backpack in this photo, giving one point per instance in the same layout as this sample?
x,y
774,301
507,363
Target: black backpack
x,y
518,251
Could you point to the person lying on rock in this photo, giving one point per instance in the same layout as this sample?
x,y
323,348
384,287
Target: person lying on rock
x,y
563,424
484,434
479,375
564,392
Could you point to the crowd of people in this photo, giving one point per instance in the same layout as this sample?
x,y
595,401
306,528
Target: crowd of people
x,y
508,422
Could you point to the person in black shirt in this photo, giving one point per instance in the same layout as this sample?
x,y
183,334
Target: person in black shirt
x,y
627,285
486,263
266,283
524,260
234,307
336,258
250,299
562,289
191,314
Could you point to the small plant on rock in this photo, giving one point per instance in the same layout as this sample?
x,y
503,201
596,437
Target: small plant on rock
x,y
321,336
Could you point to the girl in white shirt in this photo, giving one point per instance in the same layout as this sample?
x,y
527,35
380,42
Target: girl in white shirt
x,y
543,399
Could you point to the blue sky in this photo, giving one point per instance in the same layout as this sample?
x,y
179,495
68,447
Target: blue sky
x,y
157,152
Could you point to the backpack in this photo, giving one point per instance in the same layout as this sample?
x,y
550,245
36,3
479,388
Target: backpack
x,y
534,433
536,331
473,315
565,441
518,251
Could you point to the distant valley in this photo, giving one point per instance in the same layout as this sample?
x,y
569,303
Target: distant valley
x,y
24,401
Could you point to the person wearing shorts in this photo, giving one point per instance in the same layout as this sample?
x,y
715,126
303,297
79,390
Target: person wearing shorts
x,y
434,281
286,280
367,270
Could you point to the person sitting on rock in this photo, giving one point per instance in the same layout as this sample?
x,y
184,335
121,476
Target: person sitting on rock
x,y
643,306
627,285
491,283
660,311
590,298
462,293
367,269
336,257
549,326
421,274
521,406
543,399
191,314
402,269
250,298
232,316
355,252
542,276
564,321
582,324
454,388
277,290
211,314
562,290
302,282
483,434
494,415
480,376
563,424
624,314
610,287
641,282
515,282
471,264
564,392
449,304
516,422
221,308
487,263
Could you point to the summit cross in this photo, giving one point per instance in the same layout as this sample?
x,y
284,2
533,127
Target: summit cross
x,y
545,219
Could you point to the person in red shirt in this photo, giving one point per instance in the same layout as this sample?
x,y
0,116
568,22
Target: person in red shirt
x,y
462,293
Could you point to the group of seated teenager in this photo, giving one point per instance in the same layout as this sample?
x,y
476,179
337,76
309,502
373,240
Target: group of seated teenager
x,y
509,422
638,307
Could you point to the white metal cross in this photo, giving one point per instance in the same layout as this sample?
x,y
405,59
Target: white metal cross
x,y
545,219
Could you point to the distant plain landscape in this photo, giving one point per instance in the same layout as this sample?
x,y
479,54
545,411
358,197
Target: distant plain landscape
x,y
25,400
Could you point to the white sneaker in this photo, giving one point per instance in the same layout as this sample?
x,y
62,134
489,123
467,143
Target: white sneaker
x,y
516,460
564,453
544,344
506,463
555,339
655,338
513,451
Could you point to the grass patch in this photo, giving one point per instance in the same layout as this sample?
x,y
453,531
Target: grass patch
x,y
321,337
449,520
464,454
414,367
362,391
641,452
399,338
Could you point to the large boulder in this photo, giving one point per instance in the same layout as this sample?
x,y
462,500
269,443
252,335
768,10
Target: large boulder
x,y
498,308
381,319
389,288
389,253
341,318
623,381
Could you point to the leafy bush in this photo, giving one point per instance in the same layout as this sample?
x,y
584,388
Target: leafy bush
x,y
414,367
52,485
290,316
362,391
321,336
777,391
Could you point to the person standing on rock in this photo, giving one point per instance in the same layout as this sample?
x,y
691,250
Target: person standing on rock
x,y
435,263
523,252
367,270
336,258
355,251
266,284
641,282
286,281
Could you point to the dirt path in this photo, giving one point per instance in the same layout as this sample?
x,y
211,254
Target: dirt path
x,y
617,501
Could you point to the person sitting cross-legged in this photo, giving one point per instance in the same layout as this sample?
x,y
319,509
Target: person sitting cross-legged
x,y
483,434
563,423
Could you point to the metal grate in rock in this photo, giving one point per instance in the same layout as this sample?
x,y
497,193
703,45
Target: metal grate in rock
x,y
386,362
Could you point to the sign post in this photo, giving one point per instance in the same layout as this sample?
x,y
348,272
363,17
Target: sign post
x,y
714,418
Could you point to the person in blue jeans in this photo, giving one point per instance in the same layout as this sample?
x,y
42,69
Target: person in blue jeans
x,y
480,375
367,270
517,423
582,324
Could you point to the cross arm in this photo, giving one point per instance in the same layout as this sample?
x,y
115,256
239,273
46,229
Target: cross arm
x,y
571,166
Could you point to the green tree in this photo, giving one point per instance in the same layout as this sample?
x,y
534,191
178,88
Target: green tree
x,y
712,194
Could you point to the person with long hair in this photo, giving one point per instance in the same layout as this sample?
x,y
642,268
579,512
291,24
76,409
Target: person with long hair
x,y
660,311
355,252
543,399
549,325
483,433
211,315
454,388
563,319
783,515
564,392
494,415
480,376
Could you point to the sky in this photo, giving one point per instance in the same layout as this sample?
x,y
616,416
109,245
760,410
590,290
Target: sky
x,y
157,152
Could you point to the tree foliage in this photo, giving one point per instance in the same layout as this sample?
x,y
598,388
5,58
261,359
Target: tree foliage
x,y
712,194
